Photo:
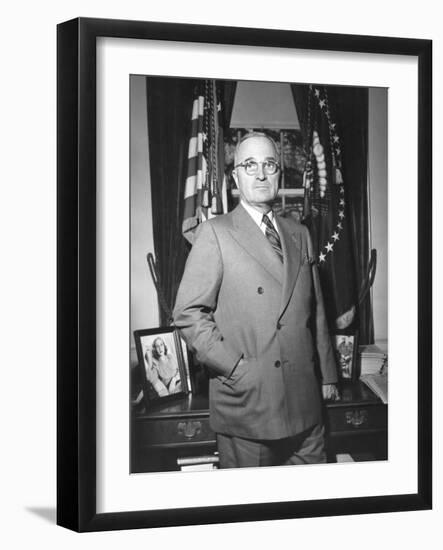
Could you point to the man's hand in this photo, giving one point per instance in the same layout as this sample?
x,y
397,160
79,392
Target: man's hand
x,y
330,392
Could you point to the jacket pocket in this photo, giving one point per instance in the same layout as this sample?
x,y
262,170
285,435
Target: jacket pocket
x,y
243,375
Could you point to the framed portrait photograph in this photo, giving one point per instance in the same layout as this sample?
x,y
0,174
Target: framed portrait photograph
x,y
346,348
163,367
240,205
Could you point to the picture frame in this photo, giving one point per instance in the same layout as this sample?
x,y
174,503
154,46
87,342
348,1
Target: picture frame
x,y
345,344
80,296
162,362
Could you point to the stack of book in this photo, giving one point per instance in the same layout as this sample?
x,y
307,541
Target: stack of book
x,y
198,463
374,370
372,359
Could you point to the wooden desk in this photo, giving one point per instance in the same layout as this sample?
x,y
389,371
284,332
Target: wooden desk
x,y
356,425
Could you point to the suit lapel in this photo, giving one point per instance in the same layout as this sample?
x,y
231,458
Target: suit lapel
x,y
251,239
292,255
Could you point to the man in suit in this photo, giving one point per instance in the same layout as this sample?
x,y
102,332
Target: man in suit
x,y
250,307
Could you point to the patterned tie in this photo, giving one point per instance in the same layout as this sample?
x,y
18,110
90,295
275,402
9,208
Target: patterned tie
x,y
273,237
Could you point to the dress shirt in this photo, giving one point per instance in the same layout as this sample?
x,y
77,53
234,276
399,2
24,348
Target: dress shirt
x,y
258,217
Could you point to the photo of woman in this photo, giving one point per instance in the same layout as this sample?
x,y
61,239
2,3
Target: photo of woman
x,y
161,367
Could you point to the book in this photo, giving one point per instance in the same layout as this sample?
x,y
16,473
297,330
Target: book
x,y
198,467
372,359
378,383
191,460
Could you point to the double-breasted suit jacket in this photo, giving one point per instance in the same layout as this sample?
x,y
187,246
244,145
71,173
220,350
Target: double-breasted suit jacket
x,y
237,300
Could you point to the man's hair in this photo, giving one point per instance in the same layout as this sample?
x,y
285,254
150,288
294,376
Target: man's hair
x,y
250,135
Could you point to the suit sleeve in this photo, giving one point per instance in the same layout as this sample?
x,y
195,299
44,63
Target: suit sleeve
x,y
328,365
197,300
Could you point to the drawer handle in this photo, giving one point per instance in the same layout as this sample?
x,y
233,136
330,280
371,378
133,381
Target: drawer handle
x,y
356,418
189,429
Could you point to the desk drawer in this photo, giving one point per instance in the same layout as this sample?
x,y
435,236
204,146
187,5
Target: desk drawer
x,y
357,418
173,431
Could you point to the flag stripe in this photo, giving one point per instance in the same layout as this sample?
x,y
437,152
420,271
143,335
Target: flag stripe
x,y
201,179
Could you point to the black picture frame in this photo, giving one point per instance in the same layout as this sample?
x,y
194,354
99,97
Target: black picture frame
x,y
157,389
77,287
345,344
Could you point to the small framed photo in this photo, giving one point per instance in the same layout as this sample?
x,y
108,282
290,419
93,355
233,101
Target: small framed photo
x,y
162,358
346,346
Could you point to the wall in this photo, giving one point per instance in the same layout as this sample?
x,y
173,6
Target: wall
x,y
144,305
378,191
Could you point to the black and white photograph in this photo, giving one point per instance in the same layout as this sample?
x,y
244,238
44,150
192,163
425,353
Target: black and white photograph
x,y
144,143
345,346
259,235
164,371
252,212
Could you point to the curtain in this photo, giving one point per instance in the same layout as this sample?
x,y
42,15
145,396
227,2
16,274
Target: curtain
x,y
228,88
169,102
352,108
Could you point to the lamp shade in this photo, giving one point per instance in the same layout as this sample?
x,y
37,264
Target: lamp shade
x,y
264,105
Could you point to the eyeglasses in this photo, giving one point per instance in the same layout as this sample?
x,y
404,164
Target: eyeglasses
x,y
270,167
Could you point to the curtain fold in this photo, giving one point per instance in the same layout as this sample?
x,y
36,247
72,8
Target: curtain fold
x,y
352,108
300,93
228,88
169,102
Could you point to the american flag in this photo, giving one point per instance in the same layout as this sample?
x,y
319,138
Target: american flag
x,y
205,189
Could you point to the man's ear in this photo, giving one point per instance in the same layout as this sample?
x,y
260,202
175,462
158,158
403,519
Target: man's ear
x,y
235,176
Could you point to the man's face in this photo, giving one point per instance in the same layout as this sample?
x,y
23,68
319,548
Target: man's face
x,y
260,189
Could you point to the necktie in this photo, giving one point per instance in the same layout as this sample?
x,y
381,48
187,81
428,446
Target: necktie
x,y
273,237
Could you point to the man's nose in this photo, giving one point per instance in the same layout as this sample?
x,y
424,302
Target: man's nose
x,y
261,171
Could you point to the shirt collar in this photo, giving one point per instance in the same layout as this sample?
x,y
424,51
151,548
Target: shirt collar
x,y
256,215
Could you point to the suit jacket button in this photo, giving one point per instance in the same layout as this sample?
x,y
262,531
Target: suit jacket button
x,y
260,290
277,364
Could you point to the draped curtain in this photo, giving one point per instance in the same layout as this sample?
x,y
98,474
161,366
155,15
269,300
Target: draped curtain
x,y
169,102
351,109
169,107
228,88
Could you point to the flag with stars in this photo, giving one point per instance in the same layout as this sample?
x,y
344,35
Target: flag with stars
x,y
326,210
205,188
